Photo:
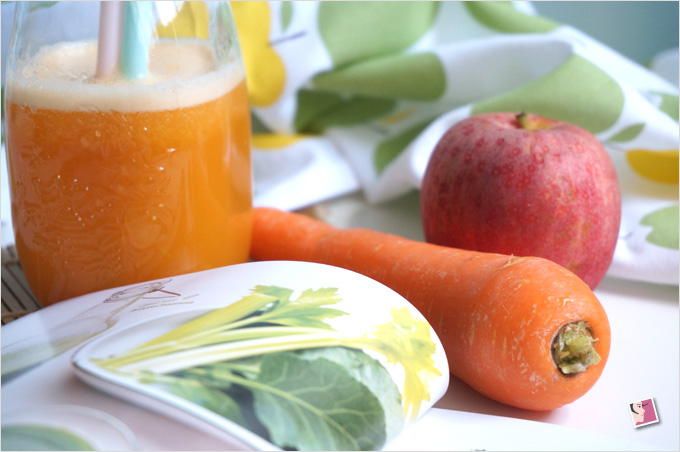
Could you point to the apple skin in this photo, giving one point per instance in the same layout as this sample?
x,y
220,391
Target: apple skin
x,y
524,185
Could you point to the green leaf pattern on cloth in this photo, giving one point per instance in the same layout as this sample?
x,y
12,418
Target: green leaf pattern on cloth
x,y
628,133
391,77
389,149
577,92
669,105
372,86
665,227
319,110
503,17
286,14
350,34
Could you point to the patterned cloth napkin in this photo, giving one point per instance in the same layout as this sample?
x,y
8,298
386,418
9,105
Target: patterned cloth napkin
x,y
354,95
351,96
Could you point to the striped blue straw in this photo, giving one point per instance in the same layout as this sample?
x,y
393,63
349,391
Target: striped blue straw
x,y
137,31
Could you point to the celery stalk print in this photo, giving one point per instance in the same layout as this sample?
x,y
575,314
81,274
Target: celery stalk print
x,y
275,366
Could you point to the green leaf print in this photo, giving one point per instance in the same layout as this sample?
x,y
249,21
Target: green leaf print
x,y
503,17
39,5
257,126
628,133
275,365
577,92
312,104
215,399
318,110
417,76
286,14
367,371
389,149
669,105
41,437
316,404
356,31
664,223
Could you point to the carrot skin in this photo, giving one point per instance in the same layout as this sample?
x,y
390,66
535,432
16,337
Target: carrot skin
x,y
496,315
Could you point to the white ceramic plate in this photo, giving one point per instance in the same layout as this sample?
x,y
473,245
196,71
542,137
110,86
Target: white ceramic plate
x,y
367,303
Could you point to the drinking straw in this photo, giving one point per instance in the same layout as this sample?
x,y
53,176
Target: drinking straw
x,y
110,32
137,31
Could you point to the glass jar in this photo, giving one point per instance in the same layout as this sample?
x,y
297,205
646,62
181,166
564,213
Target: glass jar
x,y
128,143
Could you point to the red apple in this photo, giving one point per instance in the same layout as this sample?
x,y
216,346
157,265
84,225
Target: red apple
x,y
524,185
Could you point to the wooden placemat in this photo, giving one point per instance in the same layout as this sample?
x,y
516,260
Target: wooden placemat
x,y
17,298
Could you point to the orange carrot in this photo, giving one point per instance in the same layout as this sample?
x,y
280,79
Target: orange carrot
x,y
511,326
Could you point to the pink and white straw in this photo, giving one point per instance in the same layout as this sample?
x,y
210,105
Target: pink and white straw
x,y
110,37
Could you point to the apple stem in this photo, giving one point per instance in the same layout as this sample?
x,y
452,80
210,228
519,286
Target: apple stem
x,y
523,120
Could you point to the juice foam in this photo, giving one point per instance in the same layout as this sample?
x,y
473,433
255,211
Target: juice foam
x,y
181,74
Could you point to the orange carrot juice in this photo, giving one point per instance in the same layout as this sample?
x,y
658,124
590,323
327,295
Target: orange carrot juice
x,y
117,183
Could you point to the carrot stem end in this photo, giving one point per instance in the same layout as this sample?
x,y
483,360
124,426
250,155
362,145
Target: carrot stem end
x,y
573,348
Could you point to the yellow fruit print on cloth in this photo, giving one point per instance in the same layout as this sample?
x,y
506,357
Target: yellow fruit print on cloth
x,y
265,70
191,21
658,166
273,141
